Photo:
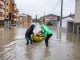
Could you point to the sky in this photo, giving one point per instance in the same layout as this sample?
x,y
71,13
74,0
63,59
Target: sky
x,y
44,7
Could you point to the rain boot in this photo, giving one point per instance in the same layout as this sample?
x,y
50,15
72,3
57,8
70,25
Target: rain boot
x,y
47,45
27,43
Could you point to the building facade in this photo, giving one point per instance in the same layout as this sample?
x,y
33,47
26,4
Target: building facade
x,y
25,20
10,11
77,12
50,19
2,11
76,28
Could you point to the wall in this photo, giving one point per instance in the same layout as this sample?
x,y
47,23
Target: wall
x,y
77,12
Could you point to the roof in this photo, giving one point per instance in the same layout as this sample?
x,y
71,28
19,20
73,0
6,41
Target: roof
x,y
71,15
51,17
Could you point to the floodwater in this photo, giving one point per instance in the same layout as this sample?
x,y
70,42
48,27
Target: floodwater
x,y
13,46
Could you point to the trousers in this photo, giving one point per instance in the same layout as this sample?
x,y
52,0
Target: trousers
x,y
47,38
28,40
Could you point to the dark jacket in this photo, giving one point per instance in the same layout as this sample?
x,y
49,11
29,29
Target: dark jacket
x,y
29,31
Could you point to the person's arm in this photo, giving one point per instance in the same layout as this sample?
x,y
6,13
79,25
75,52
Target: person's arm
x,y
44,33
32,33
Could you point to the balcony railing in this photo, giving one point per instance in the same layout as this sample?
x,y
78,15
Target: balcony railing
x,y
1,10
1,2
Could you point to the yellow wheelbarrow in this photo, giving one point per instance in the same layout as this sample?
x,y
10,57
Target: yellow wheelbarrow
x,y
37,38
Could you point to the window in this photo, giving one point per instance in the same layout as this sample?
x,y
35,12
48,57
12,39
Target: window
x,y
7,10
7,16
7,3
1,6
1,13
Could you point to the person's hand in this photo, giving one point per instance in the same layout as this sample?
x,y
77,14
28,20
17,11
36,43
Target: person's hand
x,y
33,33
44,38
37,34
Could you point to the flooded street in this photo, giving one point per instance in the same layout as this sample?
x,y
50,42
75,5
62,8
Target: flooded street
x,y
13,46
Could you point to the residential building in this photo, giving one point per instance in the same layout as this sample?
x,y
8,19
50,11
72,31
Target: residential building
x,y
10,11
67,23
66,19
74,26
50,19
16,15
35,20
42,20
25,19
77,17
7,10
2,6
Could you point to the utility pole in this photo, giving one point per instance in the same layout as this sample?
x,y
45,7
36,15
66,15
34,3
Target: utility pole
x,y
44,19
61,17
61,13
28,18
36,20
59,36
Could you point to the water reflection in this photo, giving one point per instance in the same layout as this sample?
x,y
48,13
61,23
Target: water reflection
x,y
6,36
29,52
73,38
7,49
47,54
8,52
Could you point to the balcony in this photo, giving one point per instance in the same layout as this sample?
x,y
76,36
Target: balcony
x,y
15,14
1,10
1,2
1,18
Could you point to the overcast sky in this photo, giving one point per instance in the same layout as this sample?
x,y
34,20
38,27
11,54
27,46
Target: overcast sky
x,y
39,7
